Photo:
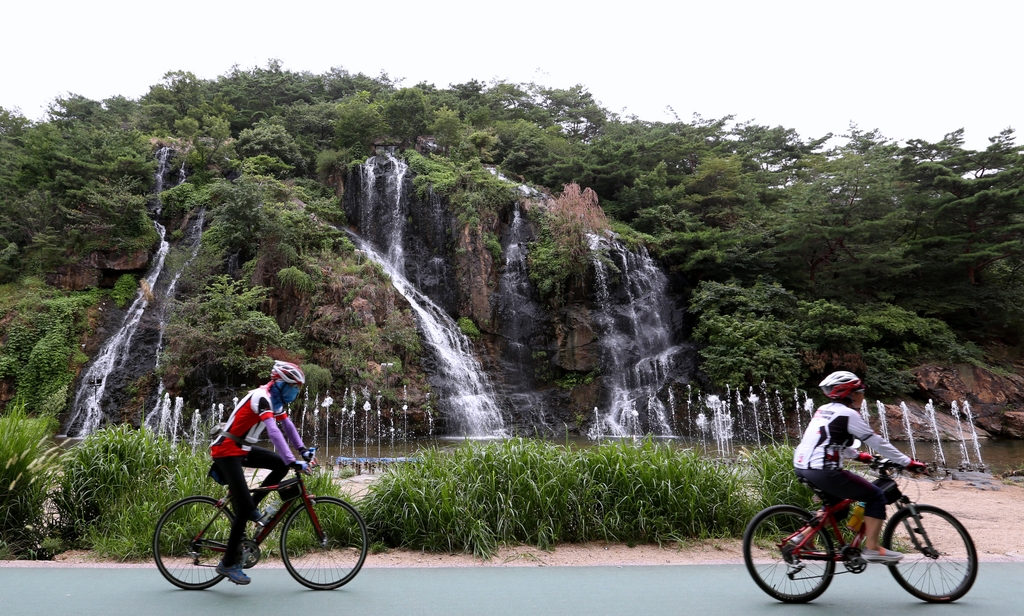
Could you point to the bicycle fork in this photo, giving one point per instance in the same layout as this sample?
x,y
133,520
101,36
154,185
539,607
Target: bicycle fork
x,y
916,532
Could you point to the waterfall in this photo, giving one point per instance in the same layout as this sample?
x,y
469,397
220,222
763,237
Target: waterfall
x,y
87,410
130,354
381,207
521,318
193,237
637,342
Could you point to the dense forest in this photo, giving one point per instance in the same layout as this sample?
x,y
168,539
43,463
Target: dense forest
x,y
799,255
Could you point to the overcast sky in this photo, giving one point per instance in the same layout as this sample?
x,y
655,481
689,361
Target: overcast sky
x,y
912,69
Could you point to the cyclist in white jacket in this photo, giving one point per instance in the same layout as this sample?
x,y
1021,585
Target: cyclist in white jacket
x,y
827,441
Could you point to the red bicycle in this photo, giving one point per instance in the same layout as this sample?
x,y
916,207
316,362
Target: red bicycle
x,y
792,553
323,539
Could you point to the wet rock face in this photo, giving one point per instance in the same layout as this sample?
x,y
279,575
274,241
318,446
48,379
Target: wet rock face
x,y
576,339
475,273
993,397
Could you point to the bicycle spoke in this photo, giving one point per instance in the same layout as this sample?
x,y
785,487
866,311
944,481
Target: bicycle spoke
x,y
787,577
328,553
189,542
944,566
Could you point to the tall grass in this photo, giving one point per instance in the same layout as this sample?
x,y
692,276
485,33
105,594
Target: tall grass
x,y
771,474
115,484
524,491
26,457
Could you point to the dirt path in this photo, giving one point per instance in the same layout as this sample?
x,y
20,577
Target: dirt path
x,y
988,508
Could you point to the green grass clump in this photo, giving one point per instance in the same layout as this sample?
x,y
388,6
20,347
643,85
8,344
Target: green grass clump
x,y
479,497
115,484
26,457
770,470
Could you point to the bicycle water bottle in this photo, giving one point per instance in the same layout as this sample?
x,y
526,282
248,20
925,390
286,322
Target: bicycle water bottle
x,y
856,517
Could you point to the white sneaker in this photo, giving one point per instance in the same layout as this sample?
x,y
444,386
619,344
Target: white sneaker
x,y
881,555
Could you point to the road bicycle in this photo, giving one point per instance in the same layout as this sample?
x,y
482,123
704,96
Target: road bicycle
x,y
792,553
323,540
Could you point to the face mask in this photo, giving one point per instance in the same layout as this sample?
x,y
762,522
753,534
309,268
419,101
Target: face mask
x,y
283,393
289,393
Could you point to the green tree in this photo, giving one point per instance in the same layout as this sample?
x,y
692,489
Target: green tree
x,y
447,128
972,202
407,113
360,121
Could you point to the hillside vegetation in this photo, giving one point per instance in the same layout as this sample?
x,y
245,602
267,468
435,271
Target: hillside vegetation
x,y
802,256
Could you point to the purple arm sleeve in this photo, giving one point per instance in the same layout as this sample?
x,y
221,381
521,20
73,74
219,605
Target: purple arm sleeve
x,y
292,433
278,440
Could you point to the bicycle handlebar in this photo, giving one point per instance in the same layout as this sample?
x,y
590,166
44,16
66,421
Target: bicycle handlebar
x,y
884,465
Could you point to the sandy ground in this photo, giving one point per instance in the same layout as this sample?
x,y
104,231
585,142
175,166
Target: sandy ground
x,y
989,508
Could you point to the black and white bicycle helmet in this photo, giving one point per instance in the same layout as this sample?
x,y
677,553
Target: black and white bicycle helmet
x,y
287,372
840,384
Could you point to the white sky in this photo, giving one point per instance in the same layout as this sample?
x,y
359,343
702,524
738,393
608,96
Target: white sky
x,y
914,69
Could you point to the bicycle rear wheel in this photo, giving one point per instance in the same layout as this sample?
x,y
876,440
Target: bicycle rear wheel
x,y
943,563
190,540
784,577
327,552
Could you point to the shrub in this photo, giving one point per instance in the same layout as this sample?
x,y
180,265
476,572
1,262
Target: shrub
x,y
297,279
561,253
124,290
469,328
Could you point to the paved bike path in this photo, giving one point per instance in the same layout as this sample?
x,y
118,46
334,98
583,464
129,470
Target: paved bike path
x,y
493,591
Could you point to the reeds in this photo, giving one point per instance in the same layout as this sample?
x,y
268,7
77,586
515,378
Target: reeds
x,y
26,457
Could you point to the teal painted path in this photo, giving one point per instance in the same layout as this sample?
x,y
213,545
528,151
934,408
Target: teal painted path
x,y
513,591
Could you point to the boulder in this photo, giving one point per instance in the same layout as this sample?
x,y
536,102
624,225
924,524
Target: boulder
x,y
992,397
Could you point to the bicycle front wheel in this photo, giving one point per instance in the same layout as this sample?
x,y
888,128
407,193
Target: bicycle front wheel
x,y
190,540
327,549
940,562
788,577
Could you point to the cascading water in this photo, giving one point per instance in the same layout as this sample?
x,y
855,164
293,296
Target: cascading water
x,y
638,348
133,351
522,318
380,207
87,410
193,238
464,387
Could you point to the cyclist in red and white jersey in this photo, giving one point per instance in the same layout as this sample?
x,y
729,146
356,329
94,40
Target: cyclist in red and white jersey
x,y
827,441
234,449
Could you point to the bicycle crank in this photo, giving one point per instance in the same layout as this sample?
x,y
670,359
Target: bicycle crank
x,y
853,561
248,553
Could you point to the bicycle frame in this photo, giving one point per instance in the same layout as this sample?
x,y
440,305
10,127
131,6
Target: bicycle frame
x,y
820,524
286,506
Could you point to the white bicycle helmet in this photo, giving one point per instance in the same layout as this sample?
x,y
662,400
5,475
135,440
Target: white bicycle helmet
x,y
840,384
287,372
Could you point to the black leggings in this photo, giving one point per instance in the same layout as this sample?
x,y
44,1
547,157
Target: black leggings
x,y
844,484
242,501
